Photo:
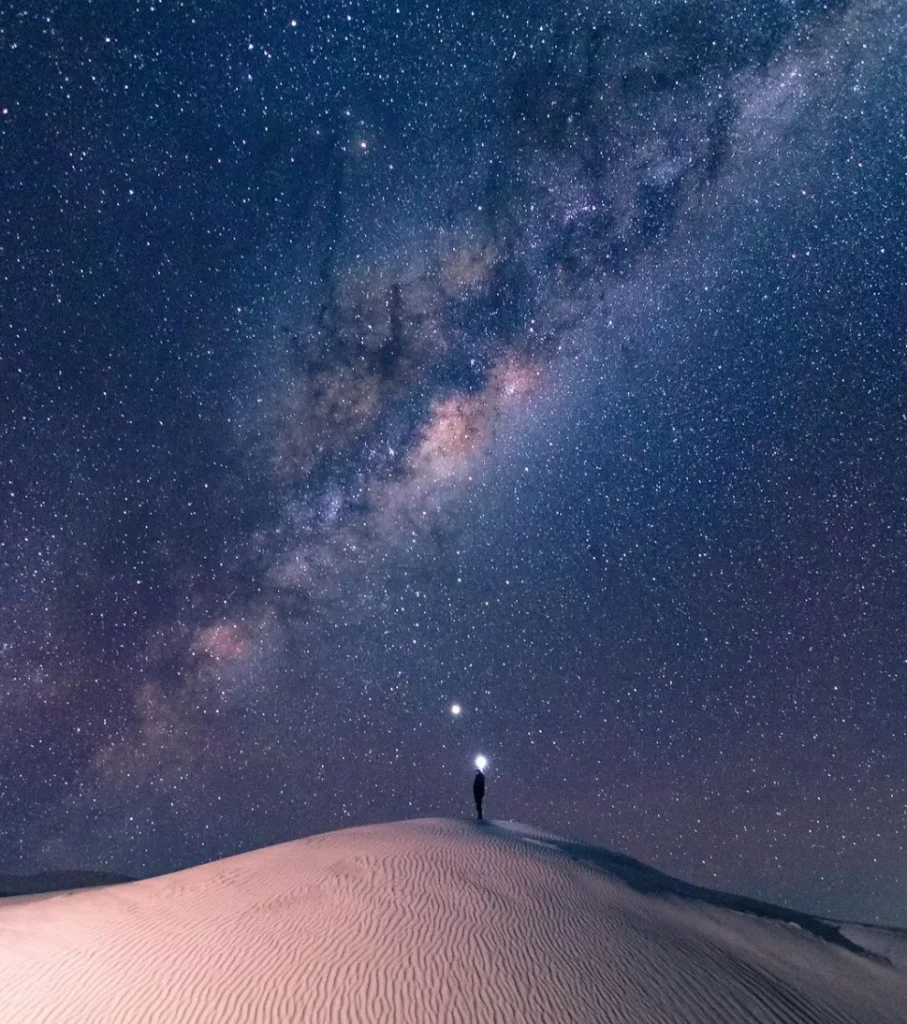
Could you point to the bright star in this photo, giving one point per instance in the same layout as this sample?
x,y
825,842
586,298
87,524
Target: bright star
x,y
481,762
455,710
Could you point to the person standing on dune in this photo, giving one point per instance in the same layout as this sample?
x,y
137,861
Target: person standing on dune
x,y
478,791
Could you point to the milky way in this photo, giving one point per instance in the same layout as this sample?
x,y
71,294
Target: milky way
x,y
358,361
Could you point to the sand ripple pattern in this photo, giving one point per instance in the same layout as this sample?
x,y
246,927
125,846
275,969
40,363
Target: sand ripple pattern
x,y
429,921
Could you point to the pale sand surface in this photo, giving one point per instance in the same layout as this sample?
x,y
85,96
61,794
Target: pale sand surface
x,y
436,920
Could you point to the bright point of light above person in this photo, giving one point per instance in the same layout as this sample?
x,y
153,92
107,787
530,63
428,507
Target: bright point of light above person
x,y
455,710
481,762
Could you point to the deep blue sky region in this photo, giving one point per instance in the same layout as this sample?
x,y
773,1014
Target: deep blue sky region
x,y
361,359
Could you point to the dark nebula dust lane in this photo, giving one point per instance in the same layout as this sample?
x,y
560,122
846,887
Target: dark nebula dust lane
x,y
358,362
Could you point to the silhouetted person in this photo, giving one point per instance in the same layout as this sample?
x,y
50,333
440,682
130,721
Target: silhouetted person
x,y
478,791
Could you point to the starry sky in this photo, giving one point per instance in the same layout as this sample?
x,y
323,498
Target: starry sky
x,y
362,358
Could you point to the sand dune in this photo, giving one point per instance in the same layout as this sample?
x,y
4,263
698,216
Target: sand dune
x,y
436,920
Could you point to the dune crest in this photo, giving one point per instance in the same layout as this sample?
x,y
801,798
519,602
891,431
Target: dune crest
x,y
437,920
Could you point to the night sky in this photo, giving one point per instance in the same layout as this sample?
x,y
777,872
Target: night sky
x,y
360,359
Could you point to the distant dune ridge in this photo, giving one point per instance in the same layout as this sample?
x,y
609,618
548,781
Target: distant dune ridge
x,y
54,881
436,920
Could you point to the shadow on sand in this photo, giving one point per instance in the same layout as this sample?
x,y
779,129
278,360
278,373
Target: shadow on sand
x,y
650,881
